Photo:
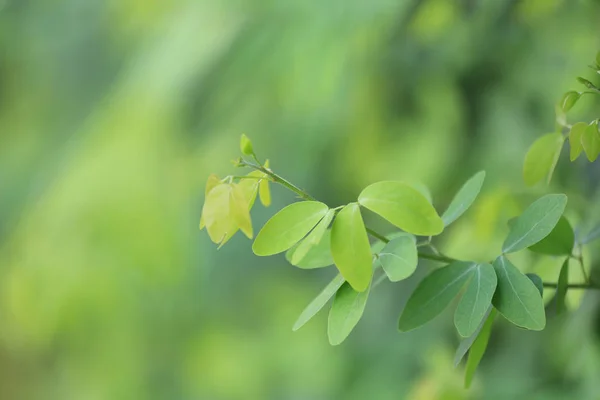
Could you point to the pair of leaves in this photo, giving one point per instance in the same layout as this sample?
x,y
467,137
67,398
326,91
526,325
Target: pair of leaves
x,y
439,288
541,158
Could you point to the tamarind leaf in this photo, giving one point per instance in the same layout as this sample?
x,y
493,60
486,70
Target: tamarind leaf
x,y
559,242
562,287
351,249
590,140
347,309
575,140
319,302
288,227
535,223
464,198
517,297
399,258
541,158
312,239
478,348
434,293
476,300
403,206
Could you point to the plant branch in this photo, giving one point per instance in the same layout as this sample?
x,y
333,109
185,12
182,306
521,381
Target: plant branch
x,y
573,285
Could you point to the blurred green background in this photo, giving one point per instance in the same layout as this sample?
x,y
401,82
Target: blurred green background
x,y
113,113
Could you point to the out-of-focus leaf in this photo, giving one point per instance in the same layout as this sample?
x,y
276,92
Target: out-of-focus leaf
x,y
220,223
466,343
464,198
517,298
212,181
351,249
434,293
559,242
535,223
569,99
288,227
246,145
478,348
347,309
399,258
562,287
575,135
537,281
541,158
476,300
240,210
403,206
319,302
590,140
313,239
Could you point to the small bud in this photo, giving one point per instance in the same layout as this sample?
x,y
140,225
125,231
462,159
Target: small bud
x,y
237,162
246,145
569,100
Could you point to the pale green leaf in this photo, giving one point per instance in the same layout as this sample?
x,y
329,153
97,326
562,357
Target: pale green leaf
x,y
434,293
541,158
264,191
239,208
562,287
476,300
517,298
403,206
319,302
575,139
559,242
478,348
212,181
246,145
569,99
399,258
464,198
347,309
288,227
351,249
318,256
535,223
220,223
312,239
590,140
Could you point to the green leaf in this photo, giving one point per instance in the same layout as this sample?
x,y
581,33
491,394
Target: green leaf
x,y
464,198
537,281
313,238
535,223
399,258
476,301
434,293
591,141
347,309
541,158
212,181
569,99
575,135
319,302
517,298
246,145
403,206
562,287
351,249
318,256
478,349
240,209
288,227
220,224
466,343
559,242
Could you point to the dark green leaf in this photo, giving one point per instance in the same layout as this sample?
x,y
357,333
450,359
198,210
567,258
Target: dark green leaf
x,y
464,198
476,301
346,310
562,287
478,348
559,242
399,258
535,223
434,293
318,302
537,281
517,298
466,343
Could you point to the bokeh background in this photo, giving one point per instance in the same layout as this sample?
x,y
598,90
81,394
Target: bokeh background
x,y
113,113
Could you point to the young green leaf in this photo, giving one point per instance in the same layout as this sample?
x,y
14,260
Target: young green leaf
x,y
559,242
464,198
312,239
347,309
562,287
541,158
220,223
478,349
319,302
434,293
569,99
575,135
288,227
476,301
212,181
399,258
403,206
590,140
318,256
263,188
537,281
351,249
535,223
246,145
517,298
240,209
466,343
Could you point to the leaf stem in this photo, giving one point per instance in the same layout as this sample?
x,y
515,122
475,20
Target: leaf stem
x,y
573,285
